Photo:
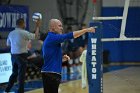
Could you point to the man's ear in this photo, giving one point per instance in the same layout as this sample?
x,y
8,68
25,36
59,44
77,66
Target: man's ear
x,y
53,28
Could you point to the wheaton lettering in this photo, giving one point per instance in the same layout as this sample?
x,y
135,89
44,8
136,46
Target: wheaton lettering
x,y
9,19
93,60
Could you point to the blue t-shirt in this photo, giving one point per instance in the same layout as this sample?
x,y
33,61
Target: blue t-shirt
x,y
52,52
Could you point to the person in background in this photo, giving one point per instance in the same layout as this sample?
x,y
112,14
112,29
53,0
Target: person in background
x,y
52,54
84,68
18,40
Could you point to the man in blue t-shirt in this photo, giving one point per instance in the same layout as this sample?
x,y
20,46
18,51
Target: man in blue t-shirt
x,y
52,54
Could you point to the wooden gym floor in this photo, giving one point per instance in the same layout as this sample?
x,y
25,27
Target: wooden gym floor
x,y
121,81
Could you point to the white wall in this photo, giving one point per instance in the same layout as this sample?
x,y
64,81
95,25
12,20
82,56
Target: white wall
x,y
93,10
48,8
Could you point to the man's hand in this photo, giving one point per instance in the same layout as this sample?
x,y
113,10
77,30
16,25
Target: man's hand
x,y
38,22
65,58
83,31
90,29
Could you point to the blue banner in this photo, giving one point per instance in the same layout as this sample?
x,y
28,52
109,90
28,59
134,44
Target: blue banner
x,y
94,60
9,15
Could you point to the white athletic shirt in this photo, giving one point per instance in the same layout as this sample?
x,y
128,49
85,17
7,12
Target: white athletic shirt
x,y
18,40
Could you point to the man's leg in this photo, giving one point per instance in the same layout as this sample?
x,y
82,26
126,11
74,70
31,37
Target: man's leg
x,y
51,82
13,76
22,64
44,78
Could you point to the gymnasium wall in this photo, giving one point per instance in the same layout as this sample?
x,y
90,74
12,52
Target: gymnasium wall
x,y
49,10
124,51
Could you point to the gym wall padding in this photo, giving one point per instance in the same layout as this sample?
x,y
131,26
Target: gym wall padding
x,y
122,51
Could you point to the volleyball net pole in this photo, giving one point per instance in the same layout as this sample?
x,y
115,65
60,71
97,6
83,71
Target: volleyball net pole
x,y
94,58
